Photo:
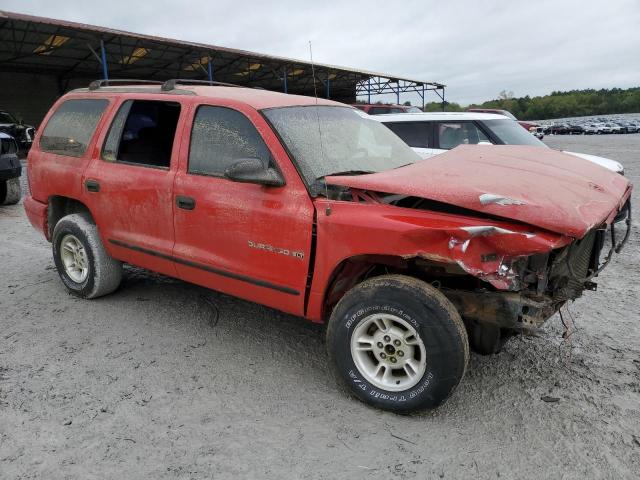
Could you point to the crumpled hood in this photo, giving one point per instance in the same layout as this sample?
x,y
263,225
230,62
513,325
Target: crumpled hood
x,y
537,186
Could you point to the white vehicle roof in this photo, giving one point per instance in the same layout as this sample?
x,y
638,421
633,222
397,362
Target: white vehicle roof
x,y
434,116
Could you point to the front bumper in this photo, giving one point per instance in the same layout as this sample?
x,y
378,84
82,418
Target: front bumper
x,y
566,274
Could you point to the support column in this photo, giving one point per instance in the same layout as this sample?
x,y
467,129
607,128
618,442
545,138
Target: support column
x,y
284,80
103,54
210,69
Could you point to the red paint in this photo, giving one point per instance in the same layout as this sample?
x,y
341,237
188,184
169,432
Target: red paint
x,y
241,238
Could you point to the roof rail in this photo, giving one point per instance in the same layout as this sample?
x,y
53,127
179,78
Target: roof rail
x,y
171,84
105,82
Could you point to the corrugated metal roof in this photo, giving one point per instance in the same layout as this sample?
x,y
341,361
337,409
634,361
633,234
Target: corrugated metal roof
x,y
72,50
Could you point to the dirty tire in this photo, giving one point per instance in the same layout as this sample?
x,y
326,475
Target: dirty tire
x,y
10,191
436,322
104,273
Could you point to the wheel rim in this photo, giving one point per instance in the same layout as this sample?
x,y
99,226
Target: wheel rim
x,y
74,258
388,352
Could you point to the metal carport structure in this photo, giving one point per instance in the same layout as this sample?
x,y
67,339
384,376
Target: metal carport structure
x,y
71,53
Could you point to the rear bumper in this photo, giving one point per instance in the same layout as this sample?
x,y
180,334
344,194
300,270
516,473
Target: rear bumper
x,y
37,214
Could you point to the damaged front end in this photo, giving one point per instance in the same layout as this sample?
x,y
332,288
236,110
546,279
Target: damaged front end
x,y
496,271
530,289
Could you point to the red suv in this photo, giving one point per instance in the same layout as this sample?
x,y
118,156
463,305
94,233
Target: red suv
x,y
306,206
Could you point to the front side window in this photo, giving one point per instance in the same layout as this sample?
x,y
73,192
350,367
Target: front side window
x,y
70,128
511,133
142,133
452,134
414,134
326,140
220,137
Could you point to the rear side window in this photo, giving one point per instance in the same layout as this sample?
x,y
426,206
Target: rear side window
x,y
413,134
220,137
70,128
380,110
142,133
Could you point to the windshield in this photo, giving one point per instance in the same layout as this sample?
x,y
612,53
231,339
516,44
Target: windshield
x,y
328,140
511,133
7,118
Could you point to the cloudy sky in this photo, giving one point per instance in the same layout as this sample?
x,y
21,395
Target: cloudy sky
x,y
476,48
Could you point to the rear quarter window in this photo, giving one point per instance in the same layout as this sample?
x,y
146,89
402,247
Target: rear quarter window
x,y
70,128
414,134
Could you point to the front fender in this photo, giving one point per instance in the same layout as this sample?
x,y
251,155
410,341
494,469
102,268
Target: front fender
x,y
481,247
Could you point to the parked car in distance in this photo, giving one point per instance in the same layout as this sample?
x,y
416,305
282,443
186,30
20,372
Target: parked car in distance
x,y
576,129
311,207
560,129
10,170
380,109
537,132
431,134
590,129
23,134
614,128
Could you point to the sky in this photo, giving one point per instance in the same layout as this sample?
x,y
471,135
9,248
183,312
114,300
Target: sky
x,y
476,48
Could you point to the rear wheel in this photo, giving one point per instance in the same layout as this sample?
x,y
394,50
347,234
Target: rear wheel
x,y
10,191
84,266
398,344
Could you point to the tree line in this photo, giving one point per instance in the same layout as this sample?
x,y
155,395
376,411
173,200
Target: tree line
x,y
573,103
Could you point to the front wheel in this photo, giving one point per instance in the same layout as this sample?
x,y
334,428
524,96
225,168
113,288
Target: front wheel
x,y
398,344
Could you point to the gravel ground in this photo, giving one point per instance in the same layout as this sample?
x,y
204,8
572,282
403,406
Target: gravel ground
x,y
167,380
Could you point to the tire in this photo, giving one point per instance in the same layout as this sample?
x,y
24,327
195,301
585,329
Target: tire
x,y
10,191
426,325
101,274
487,339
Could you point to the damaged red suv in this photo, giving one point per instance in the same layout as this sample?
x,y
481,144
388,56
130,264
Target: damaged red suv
x,y
305,206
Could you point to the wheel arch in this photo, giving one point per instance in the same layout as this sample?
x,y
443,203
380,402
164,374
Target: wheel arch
x,y
353,270
60,206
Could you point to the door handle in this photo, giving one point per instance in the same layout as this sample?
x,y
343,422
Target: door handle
x,y
185,203
92,185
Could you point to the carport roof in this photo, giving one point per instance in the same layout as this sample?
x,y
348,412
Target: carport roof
x,y
72,50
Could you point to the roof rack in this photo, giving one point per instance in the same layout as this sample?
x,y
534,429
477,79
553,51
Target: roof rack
x,y
105,82
171,84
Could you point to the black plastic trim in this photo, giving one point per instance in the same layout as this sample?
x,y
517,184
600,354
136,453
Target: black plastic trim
x,y
206,268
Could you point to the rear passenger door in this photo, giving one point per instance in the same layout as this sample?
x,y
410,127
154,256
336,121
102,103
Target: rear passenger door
x,y
129,183
249,240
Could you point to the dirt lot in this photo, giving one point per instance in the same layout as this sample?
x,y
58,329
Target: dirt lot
x,y
168,380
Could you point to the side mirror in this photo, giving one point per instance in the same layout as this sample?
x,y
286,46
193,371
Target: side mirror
x,y
253,170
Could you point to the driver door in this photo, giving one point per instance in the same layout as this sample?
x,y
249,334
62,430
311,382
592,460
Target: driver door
x,y
248,240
